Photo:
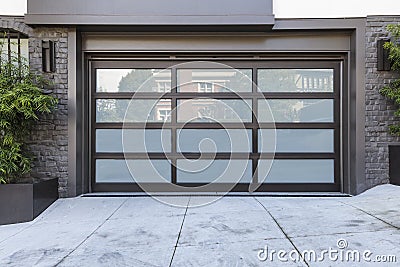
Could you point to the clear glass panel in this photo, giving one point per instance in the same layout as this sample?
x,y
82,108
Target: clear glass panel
x,y
209,141
133,80
295,80
207,171
141,141
214,80
297,140
214,110
139,110
117,171
296,110
297,171
24,48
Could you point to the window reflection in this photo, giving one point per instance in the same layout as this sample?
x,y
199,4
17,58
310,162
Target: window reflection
x,y
296,110
295,80
214,110
136,110
133,80
214,80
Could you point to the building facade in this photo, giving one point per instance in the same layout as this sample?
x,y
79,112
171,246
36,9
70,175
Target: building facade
x,y
177,77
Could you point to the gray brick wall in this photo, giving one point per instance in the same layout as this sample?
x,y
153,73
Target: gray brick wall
x,y
49,139
379,111
15,23
49,142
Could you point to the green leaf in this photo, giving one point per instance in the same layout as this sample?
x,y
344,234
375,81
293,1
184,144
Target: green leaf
x,y
22,104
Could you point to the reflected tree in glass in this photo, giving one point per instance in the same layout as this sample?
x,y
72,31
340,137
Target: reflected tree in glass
x,y
241,81
137,79
279,80
106,110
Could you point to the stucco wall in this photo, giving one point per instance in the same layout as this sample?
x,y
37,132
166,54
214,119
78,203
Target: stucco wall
x,y
379,111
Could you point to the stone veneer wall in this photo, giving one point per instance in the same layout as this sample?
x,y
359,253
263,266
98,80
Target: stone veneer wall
x,y
379,111
50,138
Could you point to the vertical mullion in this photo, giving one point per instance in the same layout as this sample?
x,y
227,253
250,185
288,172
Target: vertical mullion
x,y
254,125
93,120
19,55
9,46
337,78
174,119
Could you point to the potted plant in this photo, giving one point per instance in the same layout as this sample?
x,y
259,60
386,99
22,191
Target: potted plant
x,y
22,102
392,92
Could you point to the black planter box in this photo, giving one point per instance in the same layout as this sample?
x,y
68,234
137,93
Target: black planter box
x,y
394,165
24,202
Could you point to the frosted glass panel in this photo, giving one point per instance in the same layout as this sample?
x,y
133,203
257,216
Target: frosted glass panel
x,y
207,171
139,110
110,140
214,80
224,140
297,171
297,140
295,80
117,171
214,110
133,80
296,110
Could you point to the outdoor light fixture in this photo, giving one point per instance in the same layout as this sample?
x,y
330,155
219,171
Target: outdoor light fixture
x,y
384,63
48,56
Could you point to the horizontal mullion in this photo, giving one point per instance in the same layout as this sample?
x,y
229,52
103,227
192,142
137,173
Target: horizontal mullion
x,y
205,126
304,156
122,156
216,156
186,155
182,95
198,125
130,95
298,125
134,125
228,95
182,155
298,95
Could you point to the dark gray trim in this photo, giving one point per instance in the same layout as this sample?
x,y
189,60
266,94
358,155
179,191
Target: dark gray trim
x,y
150,12
352,32
114,187
317,41
74,188
249,21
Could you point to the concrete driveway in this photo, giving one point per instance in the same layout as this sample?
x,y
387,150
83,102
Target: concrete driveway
x,y
234,231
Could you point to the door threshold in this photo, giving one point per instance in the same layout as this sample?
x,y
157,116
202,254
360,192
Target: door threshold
x,y
213,194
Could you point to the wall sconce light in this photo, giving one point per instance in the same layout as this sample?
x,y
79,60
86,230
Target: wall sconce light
x,y
384,63
48,56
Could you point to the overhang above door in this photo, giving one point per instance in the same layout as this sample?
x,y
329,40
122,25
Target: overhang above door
x,y
152,12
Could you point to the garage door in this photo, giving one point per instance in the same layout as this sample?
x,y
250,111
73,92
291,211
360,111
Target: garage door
x,y
176,124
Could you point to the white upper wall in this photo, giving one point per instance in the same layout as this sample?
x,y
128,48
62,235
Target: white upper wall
x,y
286,8
14,7
334,8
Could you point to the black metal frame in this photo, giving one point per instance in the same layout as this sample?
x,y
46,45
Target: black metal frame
x,y
12,34
254,156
